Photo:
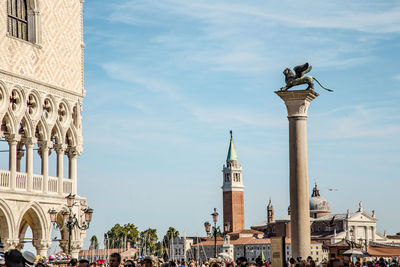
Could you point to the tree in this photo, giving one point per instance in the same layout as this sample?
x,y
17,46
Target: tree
x,y
118,235
148,240
171,233
94,243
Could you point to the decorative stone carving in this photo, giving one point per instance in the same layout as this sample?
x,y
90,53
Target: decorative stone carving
x,y
297,102
15,100
32,105
47,109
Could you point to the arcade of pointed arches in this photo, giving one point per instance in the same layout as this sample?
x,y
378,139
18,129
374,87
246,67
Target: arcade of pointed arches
x,y
31,118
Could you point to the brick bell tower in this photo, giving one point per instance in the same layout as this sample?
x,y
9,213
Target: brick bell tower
x,y
232,189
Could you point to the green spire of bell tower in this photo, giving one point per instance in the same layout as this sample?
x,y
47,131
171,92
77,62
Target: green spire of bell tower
x,y
232,156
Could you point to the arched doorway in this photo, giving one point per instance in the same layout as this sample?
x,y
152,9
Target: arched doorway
x,y
34,218
6,223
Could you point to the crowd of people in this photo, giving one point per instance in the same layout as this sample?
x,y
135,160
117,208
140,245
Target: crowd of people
x,y
14,258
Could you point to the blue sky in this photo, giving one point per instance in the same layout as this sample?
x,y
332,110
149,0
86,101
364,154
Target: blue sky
x,y
167,80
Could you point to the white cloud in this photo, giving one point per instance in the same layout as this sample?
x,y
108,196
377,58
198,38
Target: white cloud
x,y
397,77
369,120
128,73
224,116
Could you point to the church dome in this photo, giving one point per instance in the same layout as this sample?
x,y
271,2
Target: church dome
x,y
318,204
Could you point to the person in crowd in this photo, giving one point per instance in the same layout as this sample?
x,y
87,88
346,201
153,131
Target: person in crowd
x,y
28,258
147,262
13,258
129,263
251,264
114,260
93,264
83,263
335,263
73,263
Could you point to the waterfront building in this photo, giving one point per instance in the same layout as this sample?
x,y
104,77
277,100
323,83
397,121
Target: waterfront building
x,y
41,94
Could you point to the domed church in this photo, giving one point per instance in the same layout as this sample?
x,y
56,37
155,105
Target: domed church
x,y
319,206
359,226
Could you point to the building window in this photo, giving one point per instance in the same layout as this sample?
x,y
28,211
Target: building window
x,y
24,20
18,19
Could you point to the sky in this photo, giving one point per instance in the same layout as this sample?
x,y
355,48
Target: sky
x,y
166,80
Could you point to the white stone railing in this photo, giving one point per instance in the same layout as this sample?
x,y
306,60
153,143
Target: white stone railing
x,y
4,179
21,180
67,186
37,184
53,184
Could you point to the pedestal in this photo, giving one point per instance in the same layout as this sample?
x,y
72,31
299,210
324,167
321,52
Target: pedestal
x,y
297,103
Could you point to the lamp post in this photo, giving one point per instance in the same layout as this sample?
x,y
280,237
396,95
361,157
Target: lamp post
x,y
215,230
70,221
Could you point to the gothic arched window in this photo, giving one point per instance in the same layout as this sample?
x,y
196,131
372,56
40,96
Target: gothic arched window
x,y
18,19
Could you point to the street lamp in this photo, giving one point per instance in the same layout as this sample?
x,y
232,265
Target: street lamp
x,y
215,230
70,221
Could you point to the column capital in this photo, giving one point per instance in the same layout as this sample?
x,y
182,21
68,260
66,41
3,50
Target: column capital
x,y
45,144
297,101
41,244
73,152
29,140
13,138
60,148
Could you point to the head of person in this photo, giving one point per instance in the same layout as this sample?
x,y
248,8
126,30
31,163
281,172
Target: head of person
x,y
92,264
251,264
13,258
114,260
335,263
292,261
147,262
83,263
129,263
29,258
73,263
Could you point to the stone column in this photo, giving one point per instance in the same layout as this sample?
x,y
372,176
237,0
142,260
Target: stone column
x,y
297,103
42,246
12,161
29,163
355,233
60,149
44,153
73,157
20,154
373,234
76,246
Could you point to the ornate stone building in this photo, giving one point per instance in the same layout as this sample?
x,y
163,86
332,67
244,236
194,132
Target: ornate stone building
x,y
41,92
232,188
358,227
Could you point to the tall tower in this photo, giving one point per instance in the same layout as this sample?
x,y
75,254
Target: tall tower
x,y
41,93
232,189
270,211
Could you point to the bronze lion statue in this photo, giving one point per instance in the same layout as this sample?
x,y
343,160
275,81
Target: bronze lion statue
x,y
292,80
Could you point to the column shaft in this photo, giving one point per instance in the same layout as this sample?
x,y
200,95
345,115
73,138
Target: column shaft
x,y
29,166
73,170
44,153
299,201
13,162
60,168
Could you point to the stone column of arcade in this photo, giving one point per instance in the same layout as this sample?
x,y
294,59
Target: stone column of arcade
x,y
297,103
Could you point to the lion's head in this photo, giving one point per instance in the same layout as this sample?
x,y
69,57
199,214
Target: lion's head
x,y
288,73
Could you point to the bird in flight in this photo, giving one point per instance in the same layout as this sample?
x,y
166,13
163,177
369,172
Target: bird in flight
x,y
333,189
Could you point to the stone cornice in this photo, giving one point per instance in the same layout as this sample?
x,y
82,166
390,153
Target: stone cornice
x,y
39,86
